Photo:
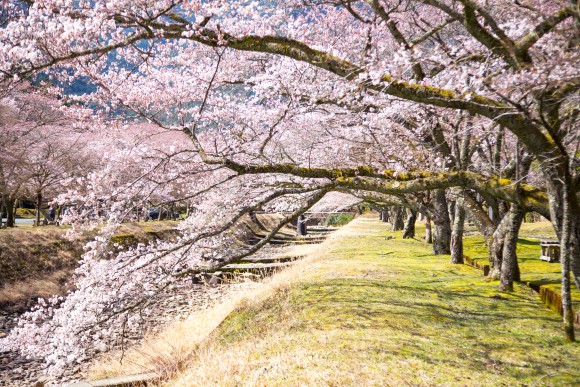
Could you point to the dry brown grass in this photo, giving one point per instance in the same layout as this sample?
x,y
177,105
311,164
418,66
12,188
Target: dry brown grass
x,y
538,230
166,352
37,261
169,352
21,293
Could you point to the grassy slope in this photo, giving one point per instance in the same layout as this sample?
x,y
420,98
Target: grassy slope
x,y
27,251
372,311
38,261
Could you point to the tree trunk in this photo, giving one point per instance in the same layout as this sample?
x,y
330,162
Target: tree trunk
x,y
442,226
564,209
409,229
494,211
509,271
428,232
496,251
17,205
385,216
575,248
478,215
38,206
573,209
457,233
398,222
451,210
9,211
568,247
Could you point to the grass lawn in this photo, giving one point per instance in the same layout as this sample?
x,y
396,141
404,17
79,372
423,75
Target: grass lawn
x,y
532,269
368,310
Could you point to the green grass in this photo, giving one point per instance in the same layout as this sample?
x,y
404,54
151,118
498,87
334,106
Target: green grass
x,y
25,213
374,311
533,270
338,220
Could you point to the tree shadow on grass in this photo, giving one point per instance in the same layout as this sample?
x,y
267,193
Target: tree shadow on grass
x,y
528,242
350,297
545,281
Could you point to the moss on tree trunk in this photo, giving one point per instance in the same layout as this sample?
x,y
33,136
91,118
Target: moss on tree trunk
x,y
509,271
409,229
442,226
457,233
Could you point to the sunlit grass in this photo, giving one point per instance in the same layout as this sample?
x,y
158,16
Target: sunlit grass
x,y
533,270
373,311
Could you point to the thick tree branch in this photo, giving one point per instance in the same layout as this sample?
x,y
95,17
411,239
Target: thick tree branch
x,y
524,44
397,183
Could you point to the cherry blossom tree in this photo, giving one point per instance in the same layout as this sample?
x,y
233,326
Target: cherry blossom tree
x,y
11,154
57,157
279,101
27,119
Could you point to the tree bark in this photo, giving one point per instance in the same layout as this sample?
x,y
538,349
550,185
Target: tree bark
x,y
564,209
509,271
573,210
575,248
478,215
457,233
451,210
9,204
409,229
428,232
496,250
568,246
501,236
385,215
398,222
442,226
38,206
